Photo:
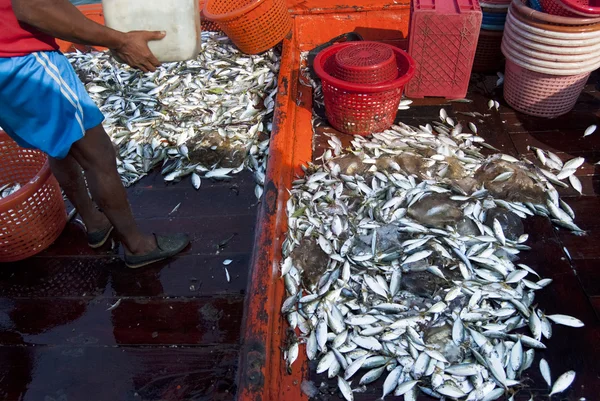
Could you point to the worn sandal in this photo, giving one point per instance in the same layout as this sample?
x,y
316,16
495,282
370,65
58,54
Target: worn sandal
x,y
167,246
99,238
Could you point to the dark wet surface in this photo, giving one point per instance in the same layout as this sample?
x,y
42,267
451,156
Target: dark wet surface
x,y
174,330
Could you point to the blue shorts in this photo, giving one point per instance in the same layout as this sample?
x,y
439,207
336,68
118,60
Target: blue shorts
x,y
43,104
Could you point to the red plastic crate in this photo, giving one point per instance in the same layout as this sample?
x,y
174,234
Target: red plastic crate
x,y
442,41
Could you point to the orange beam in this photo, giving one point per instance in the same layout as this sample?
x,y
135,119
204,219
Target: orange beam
x,y
339,7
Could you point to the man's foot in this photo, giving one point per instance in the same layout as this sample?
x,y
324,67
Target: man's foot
x,y
98,229
96,239
166,246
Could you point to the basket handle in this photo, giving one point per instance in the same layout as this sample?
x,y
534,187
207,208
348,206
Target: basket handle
x,y
345,37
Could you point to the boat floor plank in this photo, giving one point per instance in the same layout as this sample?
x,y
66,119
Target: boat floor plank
x,y
173,331
118,373
121,321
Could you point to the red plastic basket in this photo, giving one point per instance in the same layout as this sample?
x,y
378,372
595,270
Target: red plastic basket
x,y
570,8
541,95
553,7
488,56
33,217
364,63
206,24
362,108
443,38
253,25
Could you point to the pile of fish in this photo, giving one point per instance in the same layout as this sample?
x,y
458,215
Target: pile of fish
x,y
559,171
205,117
401,262
9,189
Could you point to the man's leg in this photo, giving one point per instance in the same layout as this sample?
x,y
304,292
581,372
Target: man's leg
x,y
96,155
70,177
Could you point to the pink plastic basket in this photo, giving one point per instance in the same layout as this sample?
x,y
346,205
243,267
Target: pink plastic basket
x,y
541,95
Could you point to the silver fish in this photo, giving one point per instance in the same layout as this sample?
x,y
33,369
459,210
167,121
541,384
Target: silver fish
x,y
196,181
499,232
576,183
405,387
566,320
563,382
574,163
417,256
465,369
450,391
372,375
154,117
565,173
503,176
545,371
391,381
516,356
589,130
345,389
325,362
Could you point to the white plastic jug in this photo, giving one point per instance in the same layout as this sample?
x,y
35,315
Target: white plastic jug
x,y
180,19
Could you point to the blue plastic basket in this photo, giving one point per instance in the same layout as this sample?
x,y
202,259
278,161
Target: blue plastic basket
x,y
501,19
535,4
494,15
492,27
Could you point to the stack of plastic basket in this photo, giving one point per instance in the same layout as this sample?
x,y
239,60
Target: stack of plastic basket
x,y
488,56
548,59
362,84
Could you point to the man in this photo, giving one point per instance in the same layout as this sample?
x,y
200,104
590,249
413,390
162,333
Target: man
x,y
44,105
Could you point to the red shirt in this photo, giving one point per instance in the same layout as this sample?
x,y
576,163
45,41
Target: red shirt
x,y
19,39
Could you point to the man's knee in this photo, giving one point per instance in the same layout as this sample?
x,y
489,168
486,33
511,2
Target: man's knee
x,y
95,151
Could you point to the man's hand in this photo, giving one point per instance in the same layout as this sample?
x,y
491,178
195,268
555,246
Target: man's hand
x,y
63,20
134,50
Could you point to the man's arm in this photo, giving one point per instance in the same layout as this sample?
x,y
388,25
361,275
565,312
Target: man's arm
x,y
63,20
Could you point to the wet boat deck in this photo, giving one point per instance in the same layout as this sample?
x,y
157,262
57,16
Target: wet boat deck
x,y
175,334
